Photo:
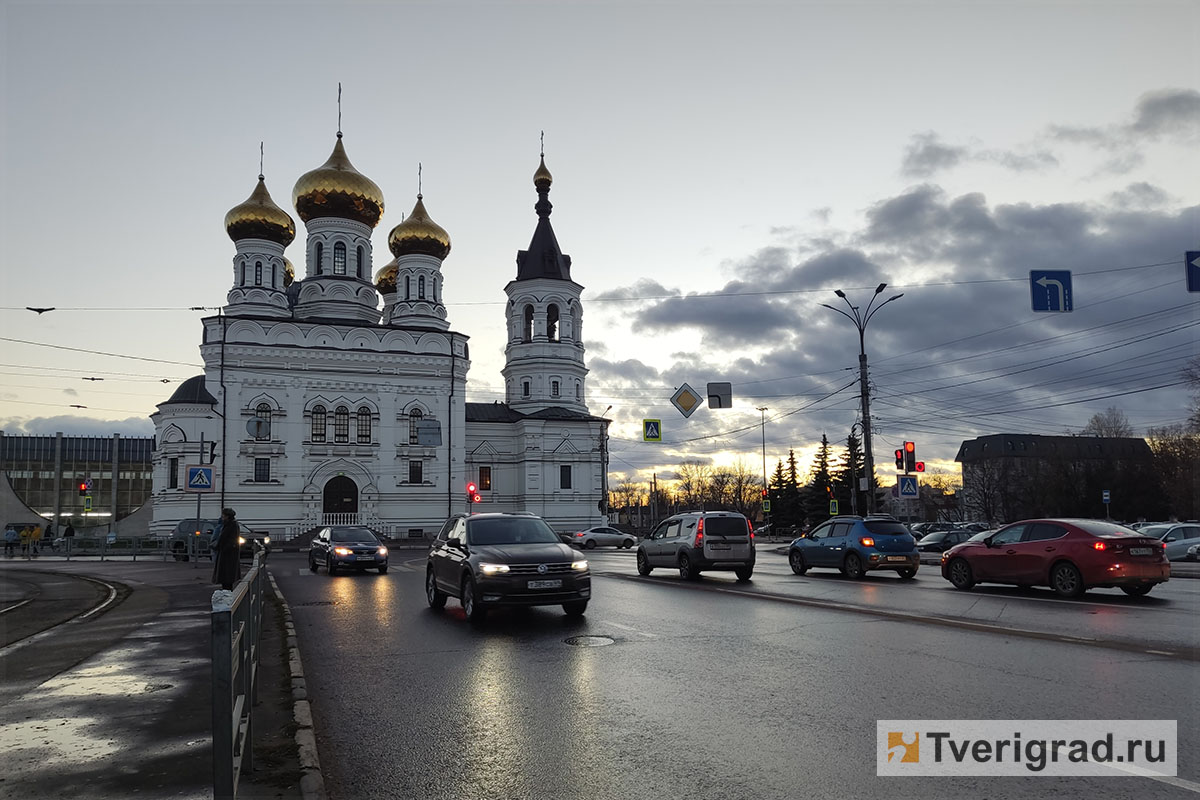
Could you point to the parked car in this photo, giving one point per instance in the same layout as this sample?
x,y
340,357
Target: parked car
x,y
941,541
602,536
488,560
347,546
1176,537
1193,553
700,541
856,545
191,537
1068,555
250,542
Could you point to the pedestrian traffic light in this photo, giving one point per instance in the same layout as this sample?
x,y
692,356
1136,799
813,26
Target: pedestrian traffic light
x,y
764,492
899,459
910,457
919,466
82,489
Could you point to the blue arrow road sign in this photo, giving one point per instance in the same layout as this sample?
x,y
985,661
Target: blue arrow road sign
x,y
1191,260
1050,290
908,485
199,479
1107,496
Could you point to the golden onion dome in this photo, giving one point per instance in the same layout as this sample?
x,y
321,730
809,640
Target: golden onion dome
x,y
260,218
419,234
289,273
385,279
542,175
337,189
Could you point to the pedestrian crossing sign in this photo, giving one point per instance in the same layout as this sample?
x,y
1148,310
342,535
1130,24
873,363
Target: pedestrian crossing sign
x,y
652,430
199,479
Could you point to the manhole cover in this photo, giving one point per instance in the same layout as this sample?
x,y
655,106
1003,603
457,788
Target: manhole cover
x,y
590,641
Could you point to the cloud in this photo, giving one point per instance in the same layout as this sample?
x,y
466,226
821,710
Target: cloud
x,y
1170,113
1139,195
77,426
926,155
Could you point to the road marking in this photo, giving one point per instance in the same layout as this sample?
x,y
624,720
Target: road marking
x,y
1181,783
1161,652
37,637
630,629
18,605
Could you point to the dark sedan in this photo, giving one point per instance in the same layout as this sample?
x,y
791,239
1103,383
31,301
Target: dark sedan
x,y
941,541
347,547
1068,555
488,560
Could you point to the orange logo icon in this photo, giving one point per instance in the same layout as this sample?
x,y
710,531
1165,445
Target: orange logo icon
x,y
909,751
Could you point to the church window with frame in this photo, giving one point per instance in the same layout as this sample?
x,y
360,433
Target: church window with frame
x,y
552,323
341,425
358,262
172,473
262,470
414,421
263,411
364,425
318,424
245,274
420,287
407,287
524,388
339,258
577,390
564,476
258,273
319,256
485,478
554,388
527,330
416,471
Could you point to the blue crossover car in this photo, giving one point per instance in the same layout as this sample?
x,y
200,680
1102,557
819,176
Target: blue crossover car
x,y
856,545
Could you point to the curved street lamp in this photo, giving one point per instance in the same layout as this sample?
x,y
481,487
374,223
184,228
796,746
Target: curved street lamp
x,y
860,320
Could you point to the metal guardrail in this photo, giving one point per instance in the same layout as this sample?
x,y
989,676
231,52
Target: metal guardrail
x,y
103,547
236,624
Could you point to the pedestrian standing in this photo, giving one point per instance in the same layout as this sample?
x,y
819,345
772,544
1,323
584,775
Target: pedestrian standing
x,y
26,535
11,540
227,568
35,538
49,536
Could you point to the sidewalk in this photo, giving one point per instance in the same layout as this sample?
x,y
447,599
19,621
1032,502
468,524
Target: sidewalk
x,y
131,716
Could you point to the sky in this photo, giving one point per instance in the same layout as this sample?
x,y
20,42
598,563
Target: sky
x,y
719,170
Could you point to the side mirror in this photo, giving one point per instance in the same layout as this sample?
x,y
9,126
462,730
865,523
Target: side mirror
x,y
454,542
988,542
1170,539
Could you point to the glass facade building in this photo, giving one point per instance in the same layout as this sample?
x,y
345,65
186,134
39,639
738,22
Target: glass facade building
x,y
46,473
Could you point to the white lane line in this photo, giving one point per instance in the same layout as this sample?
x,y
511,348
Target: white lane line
x,y
1181,783
112,595
1161,652
630,629
18,605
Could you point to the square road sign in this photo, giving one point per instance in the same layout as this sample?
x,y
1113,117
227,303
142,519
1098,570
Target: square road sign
x,y
652,430
1191,261
199,479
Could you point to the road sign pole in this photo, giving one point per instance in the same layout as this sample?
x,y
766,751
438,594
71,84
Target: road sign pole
x,y
199,494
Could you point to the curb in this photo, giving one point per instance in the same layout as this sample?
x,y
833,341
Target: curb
x,y
312,783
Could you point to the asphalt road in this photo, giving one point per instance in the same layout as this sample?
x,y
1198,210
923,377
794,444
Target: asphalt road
x,y
717,689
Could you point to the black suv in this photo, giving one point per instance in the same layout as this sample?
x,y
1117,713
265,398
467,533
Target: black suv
x,y
490,560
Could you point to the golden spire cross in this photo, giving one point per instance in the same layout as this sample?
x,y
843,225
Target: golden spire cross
x,y
260,161
418,180
543,146
339,108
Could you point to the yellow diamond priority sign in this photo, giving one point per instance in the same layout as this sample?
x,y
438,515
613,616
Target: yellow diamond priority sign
x,y
686,399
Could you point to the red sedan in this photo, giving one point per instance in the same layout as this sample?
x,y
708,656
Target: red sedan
x,y
1068,555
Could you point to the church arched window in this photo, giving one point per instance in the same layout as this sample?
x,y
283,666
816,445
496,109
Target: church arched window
x,y
527,335
364,425
420,287
263,411
258,273
318,424
414,421
341,425
339,258
552,323
554,388
320,256
358,262
245,274
407,288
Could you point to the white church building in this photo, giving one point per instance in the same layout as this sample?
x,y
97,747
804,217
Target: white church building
x,y
320,404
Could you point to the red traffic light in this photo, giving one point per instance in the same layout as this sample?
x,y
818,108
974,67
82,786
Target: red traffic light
x,y
764,492
471,489
919,466
910,447
475,498
899,459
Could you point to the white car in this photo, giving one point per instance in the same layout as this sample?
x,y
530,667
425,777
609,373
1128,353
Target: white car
x,y
602,536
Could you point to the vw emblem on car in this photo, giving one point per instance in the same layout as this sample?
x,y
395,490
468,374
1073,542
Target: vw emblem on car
x,y
542,568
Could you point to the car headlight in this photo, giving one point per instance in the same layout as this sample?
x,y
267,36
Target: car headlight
x,y
343,551
382,550
493,569
266,540
579,566
241,540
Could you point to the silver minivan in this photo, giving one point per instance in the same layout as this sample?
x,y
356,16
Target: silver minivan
x,y
696,541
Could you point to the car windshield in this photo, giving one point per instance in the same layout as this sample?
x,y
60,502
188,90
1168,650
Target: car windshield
x,y
934,537
1153,531
509,530
1106,529
885,527
979,537
353,535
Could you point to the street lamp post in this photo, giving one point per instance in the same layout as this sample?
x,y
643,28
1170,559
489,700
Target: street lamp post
x,y
860,321
604,467
762,410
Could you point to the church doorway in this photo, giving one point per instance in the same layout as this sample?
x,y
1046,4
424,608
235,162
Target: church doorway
x,y
340,501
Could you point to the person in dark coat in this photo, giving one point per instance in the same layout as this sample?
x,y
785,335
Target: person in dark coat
x,y
227,568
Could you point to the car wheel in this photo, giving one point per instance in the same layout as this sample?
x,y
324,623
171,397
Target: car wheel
x,y
1137,589
383,570
575,609
796,561
852,567
686,570
627,544
312,563
744,573
470,604
590,544
643,564
435,596
1065,580
960,574
329,565
907,573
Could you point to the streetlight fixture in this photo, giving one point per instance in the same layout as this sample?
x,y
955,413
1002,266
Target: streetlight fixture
x,y
860,320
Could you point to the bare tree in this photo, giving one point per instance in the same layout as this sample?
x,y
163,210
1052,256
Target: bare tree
x,y
692,483
1109,423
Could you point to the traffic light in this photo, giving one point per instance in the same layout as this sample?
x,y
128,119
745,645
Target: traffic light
x,y
764,492
899,459
919,466
910,457
472,497
82,489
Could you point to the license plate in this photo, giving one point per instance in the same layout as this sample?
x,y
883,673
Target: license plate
x,y
365,558
555,584
897,558
719,547
1141,551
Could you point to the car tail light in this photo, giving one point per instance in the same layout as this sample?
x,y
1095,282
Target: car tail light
x,y
867,541
698,543
1100,546
579,534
